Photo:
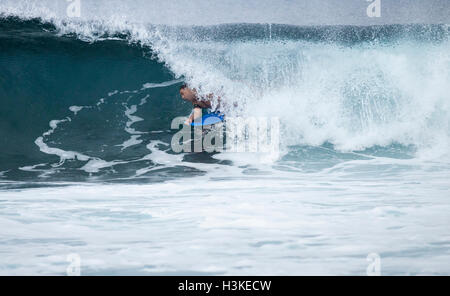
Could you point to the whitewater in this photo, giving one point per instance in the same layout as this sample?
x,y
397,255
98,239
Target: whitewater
x,y
86,165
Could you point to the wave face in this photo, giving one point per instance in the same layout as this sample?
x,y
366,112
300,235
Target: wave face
x,y
212,12
350,86
108,89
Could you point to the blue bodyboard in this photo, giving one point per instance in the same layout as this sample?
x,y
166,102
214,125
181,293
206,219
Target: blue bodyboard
x,y
209,119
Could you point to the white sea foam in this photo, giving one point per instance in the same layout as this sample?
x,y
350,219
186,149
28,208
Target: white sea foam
x,y
93,164
112,93
43,169
101,101
354,97
132,119
31,168
144,100
134,140
76,109
53,125
63,154
135,135
164,160
304,224
162,84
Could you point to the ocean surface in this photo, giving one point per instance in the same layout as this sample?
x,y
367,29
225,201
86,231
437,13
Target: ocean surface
x,y
86,165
